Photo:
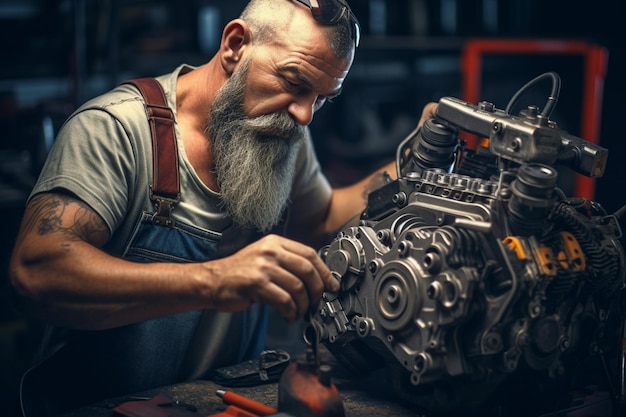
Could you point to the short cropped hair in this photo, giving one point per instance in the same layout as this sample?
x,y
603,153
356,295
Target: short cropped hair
x,y
260,16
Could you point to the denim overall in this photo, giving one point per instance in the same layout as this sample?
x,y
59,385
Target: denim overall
x,y
94,365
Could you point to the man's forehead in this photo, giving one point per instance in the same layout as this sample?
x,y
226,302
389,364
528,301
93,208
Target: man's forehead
x,y
327,86
312,44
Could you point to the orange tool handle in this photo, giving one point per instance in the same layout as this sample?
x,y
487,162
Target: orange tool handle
x,y
245,403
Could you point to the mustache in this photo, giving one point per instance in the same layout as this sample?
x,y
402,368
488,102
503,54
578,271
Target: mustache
x,y
274,125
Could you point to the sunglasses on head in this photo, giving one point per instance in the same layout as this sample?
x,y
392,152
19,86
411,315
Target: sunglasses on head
x,y
329,12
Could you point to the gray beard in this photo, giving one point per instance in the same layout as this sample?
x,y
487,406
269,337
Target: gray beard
x,y
254,157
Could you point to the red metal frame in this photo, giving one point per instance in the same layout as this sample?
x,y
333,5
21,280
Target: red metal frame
x,y
595,64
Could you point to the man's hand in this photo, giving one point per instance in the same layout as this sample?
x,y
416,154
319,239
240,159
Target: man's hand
x,y
277,271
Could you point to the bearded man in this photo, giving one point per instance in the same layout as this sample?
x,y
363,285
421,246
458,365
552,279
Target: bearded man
x,y
132,303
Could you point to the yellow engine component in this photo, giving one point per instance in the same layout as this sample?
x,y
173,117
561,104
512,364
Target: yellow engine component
x,y
572,256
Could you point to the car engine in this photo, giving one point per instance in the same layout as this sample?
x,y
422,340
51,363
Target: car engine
x,y
473,278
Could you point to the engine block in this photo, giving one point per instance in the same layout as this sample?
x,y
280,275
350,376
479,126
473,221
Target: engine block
x,y
473,269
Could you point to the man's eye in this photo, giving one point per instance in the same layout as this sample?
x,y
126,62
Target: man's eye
x,y
292,84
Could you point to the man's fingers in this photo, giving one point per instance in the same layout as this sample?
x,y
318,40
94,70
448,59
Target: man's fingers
x,y
288,290
276,297
313,270
287,275
302,274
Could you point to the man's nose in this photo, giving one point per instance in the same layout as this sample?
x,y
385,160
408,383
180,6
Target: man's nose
x,y
302,110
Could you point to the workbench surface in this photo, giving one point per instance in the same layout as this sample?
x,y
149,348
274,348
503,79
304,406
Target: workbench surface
x,y
202,394
361,398
367,395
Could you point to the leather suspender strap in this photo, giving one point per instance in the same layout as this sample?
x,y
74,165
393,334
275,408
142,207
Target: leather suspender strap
x,y
165,189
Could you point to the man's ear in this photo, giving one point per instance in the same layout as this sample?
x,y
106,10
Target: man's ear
x,y
235,38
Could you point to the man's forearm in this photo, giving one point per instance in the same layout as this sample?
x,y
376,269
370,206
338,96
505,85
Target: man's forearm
x,y
349,202
88,289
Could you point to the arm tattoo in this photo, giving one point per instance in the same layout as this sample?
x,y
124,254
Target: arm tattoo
x,y
377,181
48,212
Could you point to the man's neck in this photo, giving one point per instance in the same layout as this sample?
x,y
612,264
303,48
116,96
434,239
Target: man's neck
x,y
195,92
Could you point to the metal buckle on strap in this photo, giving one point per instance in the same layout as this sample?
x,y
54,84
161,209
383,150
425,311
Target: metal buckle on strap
x,y
163,206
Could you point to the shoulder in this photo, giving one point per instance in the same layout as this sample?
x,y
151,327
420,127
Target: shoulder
x,y
118,113
122,102
125,102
